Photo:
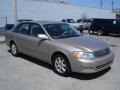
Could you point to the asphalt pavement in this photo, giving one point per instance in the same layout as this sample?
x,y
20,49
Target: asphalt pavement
x,y
27,73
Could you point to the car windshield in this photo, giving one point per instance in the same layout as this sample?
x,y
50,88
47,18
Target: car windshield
x,y
71,21
58,31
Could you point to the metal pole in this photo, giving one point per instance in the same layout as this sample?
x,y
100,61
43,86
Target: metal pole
x,y
15,11
5,24
112,4
6,20
101,3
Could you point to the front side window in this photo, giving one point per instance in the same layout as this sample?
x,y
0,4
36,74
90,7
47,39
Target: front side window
x,y
36,30
24,29
57,31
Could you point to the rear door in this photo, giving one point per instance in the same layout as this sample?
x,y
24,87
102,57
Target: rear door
x,y
22,32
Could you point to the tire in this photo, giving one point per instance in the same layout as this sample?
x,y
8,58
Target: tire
x,y
100,32
91,33
81,30
14,49
61,65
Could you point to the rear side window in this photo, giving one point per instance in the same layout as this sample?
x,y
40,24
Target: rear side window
x,y
24,29
9,26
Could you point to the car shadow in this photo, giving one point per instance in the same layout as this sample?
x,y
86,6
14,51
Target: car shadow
x,y
110,35
34,60
72,74
89,76
114,35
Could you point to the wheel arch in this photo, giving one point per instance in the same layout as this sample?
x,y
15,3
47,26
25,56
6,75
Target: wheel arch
x,y
11,42
59,53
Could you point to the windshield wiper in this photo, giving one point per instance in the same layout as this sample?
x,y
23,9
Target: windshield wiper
x,y
66,36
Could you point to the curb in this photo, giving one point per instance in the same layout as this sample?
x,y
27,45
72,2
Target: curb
x,y
2,39
1,42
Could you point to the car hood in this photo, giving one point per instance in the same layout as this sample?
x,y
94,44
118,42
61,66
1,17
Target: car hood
x,y
84,43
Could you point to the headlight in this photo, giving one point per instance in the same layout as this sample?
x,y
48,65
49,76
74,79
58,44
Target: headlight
x,y
83,55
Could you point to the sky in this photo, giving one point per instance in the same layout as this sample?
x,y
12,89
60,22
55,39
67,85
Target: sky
x,y
107,4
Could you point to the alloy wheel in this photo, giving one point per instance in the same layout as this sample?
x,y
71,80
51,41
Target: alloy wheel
x,y
60,65
14,50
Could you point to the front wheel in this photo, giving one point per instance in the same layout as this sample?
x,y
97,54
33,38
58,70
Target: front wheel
x,y
81,30
90,32
61,65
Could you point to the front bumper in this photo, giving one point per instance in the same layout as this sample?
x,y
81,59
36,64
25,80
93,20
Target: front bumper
x,y
92,66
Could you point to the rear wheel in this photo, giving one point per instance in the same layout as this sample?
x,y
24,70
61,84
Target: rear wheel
x,y
61,65
13,49
100,32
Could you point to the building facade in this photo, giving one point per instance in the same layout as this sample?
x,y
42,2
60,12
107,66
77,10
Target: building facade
x,y
37,10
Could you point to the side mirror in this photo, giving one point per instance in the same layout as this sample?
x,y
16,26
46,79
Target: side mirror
x,y
43,36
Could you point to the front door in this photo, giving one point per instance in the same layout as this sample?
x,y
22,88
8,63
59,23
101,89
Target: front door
x,y
37,47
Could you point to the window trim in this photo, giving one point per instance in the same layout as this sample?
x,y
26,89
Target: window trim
x,y
38,25
16,29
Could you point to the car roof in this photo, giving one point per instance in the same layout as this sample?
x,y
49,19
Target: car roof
x,y
45,22
49,22
102,19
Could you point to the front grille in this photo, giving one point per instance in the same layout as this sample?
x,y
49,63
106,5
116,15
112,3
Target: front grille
x,y
104,65
101,53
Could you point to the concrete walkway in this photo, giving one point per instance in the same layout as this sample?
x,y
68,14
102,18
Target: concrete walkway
x,y
2,39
